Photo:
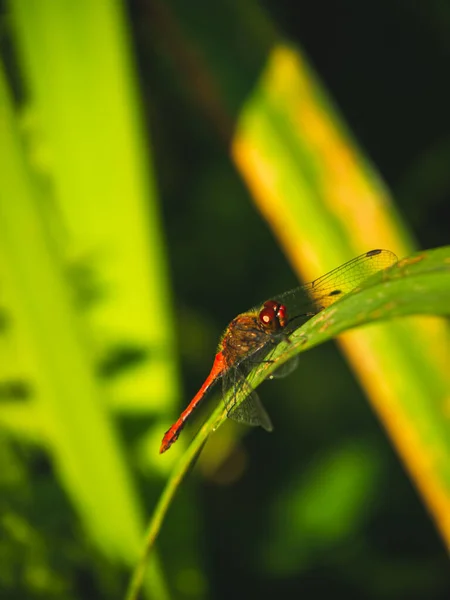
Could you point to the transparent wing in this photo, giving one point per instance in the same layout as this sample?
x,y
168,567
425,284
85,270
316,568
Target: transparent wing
x,y
286,368
250,411
309,299
330,287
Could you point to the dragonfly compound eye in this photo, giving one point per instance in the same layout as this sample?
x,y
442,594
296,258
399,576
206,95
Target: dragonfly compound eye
x,y
273,315
267,316
282,315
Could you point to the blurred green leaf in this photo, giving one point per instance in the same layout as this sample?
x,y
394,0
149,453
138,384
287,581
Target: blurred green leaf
x,y
322,507
73,420
79,220
86,122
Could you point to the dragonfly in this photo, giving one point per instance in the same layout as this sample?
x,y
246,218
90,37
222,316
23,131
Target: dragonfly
x,y
250,337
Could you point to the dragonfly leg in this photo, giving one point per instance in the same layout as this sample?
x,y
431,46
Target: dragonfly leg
x,y
306,315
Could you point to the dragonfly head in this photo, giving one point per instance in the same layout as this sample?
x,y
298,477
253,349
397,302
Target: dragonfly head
x,y
273,315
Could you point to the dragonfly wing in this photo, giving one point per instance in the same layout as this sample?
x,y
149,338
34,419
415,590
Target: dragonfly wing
x,y
304,302
286,369
250,411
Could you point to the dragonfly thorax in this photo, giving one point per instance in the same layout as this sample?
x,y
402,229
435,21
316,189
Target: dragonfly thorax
x,y
245,335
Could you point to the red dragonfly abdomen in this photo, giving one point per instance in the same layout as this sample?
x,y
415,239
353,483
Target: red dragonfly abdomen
x,y
171,435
